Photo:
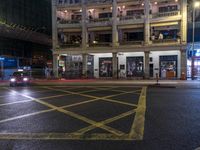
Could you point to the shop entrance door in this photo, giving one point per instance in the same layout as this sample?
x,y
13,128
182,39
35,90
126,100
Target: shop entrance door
x,y
196,68
168,66
151,70
105,67
134,66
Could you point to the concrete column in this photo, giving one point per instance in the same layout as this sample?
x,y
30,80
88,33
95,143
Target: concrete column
x,y
183,62
85,67
55,65
54,24
146,22
146,64
184,22
84,27
114,65
114,24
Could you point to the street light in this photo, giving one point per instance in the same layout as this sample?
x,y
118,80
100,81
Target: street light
x,y
196,4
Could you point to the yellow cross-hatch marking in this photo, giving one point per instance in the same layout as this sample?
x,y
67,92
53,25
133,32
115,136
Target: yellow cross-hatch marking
x,y
74,115
105,98
40,112
42,98
137,128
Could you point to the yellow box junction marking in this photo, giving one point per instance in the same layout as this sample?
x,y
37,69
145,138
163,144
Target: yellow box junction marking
x,y
137,129
136,133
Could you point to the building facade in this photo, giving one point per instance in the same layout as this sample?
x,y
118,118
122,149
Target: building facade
x,y
119,38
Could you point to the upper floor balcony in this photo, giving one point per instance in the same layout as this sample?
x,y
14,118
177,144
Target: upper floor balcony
x,y
69,18
132,36
100,39
69,40
165,10
166,16
69,23
136,19
99,17
162,35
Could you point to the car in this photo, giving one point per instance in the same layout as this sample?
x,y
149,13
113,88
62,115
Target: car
x,y
20,78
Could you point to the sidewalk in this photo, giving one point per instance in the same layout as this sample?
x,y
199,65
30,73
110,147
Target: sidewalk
x,y
93,82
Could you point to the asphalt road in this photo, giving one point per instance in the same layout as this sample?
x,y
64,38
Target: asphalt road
x,y
99,118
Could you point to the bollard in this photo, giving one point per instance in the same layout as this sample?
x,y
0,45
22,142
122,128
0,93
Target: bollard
x,y
157,78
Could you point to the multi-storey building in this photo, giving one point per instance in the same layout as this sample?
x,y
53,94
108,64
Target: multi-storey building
x,y
120,38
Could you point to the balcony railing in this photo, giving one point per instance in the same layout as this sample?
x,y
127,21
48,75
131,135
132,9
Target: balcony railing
x,y
166,14
165,41
68,2
122,18
69,45
99,1
101,44
99,20
131,42
69,21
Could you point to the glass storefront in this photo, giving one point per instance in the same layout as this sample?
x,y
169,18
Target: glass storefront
x,y
105,67
195,68
134,66
168,66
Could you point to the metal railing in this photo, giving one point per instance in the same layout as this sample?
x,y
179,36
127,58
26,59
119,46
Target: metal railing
x,y
68,2
99,20
131,42
122,18
166,14
69,45
69,21
165,41
101,44
99,1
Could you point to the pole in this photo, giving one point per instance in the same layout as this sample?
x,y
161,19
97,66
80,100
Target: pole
x,y
193,29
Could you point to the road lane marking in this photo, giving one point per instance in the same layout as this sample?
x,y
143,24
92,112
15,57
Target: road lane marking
x,y
137,129
107,121
105,98
24,101
26,115
17,102
74,115
43,111
55,96
40,112
79,135
60,136
119,102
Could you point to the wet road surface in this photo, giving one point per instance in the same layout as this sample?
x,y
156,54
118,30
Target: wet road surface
x,y
98,117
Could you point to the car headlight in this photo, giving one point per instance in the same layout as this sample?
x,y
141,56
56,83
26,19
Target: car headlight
x,y
25,79
12,79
